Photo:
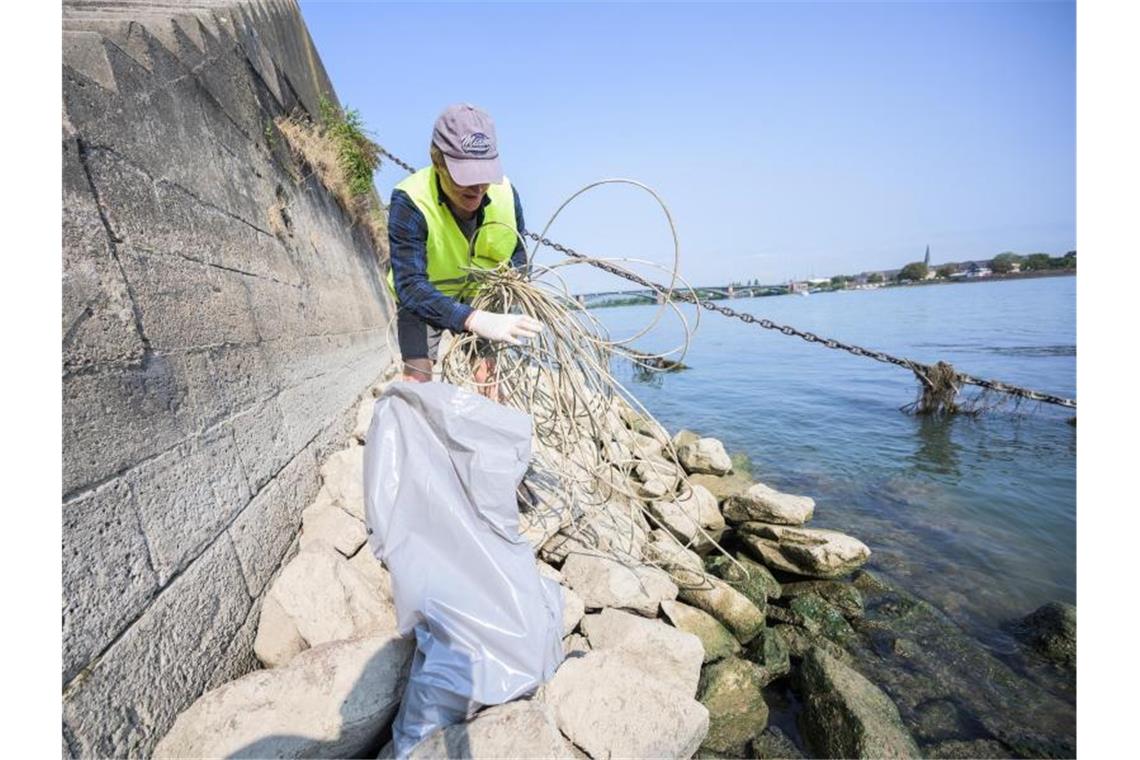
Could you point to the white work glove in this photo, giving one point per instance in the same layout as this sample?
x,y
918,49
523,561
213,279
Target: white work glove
x,y
508,328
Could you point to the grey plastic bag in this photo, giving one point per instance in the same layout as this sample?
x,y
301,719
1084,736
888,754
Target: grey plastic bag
x,y
440,471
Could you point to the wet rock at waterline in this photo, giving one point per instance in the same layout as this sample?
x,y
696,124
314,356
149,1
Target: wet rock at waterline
x,y
732,690
923,659
811,552
845,715
705,455
799,641
815,615
774,743
843,596
763,504
769,650
1051,632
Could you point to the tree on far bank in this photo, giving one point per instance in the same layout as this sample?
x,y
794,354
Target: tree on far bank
x,y
839,281
915,270
1003,262
946,270
875,277
1037,262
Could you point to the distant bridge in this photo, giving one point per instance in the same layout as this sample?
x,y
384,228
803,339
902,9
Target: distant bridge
x,y
713,293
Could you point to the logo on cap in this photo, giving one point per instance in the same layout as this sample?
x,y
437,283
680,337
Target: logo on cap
x,y
476,144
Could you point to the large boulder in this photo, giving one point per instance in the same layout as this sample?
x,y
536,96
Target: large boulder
x,y
843,596
525,728
658,468
813,613
763,504
715,639
1051,631
770,652
799,641
845,715
331,701
811,552
747,576
724,603
324,520
774,743
605,582
704,455
732,690
684,438
573,608
669,655
342,475
722,486
610,706
692,517
320,597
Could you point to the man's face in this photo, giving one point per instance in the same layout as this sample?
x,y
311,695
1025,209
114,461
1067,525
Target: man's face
x,y
466,198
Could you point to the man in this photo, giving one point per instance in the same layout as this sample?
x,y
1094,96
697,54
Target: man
x,y
433,216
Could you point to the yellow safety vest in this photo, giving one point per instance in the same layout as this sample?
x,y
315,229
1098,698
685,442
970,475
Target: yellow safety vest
x,y
447,248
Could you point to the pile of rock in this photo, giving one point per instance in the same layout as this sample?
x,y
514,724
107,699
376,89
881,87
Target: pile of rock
x,y
669,641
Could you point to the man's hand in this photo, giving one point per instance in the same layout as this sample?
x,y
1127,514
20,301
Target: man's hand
x,y
508,328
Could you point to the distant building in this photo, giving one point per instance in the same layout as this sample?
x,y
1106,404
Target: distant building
x,y
926,259
975,269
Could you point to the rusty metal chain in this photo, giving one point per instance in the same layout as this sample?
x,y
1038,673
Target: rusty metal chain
x,y
920,370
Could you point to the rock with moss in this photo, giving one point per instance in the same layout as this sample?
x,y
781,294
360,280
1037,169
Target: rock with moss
x,y
769,650
717,641
774,743
764,504
843,596
732,690
748,576
814,613
800,640
923,658
811,552
1051,631
722,601
845,715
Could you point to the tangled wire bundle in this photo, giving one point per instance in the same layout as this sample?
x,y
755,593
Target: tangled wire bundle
x,y
605,472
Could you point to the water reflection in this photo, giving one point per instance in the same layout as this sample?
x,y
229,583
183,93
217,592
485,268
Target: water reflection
x,y
937,452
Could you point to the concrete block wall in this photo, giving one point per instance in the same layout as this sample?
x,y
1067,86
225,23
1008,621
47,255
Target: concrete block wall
x,y
213,348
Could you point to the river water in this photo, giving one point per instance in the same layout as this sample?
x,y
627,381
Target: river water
x,y
975,514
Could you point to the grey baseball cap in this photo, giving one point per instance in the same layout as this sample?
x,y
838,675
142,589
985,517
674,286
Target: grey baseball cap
x,y
466,137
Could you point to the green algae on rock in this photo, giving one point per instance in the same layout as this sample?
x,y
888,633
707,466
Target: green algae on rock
x,y
845,715
717,641
732,690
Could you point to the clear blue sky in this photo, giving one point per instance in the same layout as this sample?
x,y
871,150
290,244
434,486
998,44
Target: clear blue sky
x,y
789,140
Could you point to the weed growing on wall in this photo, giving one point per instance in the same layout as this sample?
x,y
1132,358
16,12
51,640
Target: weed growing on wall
x,y
339,152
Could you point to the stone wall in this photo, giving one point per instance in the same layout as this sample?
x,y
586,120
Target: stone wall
x,y
221,317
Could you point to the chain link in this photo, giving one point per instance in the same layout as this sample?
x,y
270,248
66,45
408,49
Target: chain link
x,y
920,370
